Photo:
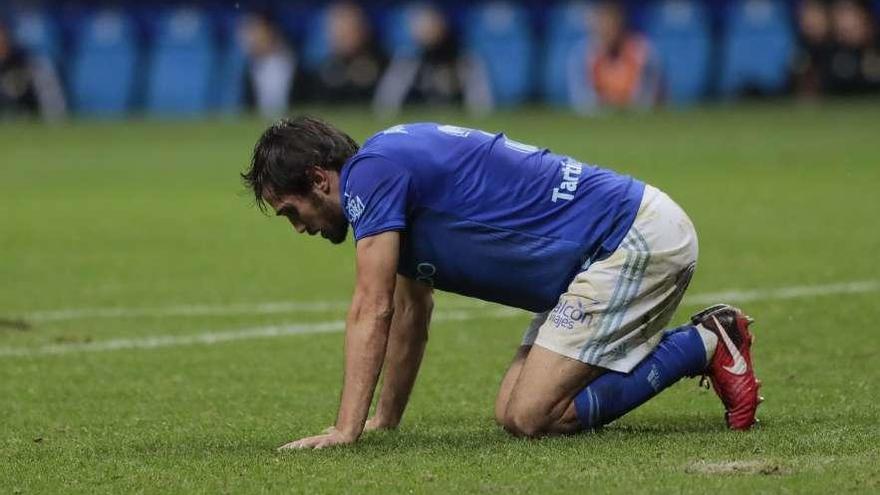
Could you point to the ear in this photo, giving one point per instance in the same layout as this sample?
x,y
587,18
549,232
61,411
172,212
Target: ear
x,y
320,179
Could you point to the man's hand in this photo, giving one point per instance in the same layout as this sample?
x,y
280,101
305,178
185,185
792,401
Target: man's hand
x,y
329,438
372,424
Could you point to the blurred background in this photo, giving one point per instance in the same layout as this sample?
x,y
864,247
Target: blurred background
x,y
175,59
157,334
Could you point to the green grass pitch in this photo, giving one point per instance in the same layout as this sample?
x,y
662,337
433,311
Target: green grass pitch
x,y
176,336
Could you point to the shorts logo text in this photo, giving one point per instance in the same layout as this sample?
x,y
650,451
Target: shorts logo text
x,y
571,172
567,315
425,273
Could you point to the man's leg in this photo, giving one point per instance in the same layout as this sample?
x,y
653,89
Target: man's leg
x,y
541,400
550,396
516,366
683,352
509,380
612,318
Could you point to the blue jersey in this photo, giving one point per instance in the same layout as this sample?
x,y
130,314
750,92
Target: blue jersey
x,y
484,216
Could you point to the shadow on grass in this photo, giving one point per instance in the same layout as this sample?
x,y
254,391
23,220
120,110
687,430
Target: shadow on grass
x,y
484,436
459,434
670,425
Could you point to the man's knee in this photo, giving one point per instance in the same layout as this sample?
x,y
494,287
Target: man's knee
x,y
526,422
539,419
540,402
501,410
508,383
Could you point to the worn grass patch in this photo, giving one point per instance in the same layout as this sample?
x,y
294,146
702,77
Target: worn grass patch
x,y
753,467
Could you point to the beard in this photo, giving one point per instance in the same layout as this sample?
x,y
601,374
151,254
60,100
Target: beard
x,y
336,229
337,232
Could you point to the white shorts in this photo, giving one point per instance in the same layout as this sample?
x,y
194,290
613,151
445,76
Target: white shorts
x,y
614,312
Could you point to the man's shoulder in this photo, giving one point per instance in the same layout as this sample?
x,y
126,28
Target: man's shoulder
x,y
368,163
370,169
397,146
402,132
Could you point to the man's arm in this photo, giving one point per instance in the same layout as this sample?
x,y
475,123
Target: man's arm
x,y
413,303
366,337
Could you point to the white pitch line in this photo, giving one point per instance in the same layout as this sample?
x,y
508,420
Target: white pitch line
x,y
477,312
154,342
267,308
210,338
794,292
283,307
188,310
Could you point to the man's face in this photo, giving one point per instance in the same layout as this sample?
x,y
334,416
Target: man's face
x,y
312,213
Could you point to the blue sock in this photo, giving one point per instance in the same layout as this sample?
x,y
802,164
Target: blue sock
x,y
680,353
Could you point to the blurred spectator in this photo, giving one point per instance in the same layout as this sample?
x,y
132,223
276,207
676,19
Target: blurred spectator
x,y
28,84
437,73
351,71
622,70
272,65
855,58
813,59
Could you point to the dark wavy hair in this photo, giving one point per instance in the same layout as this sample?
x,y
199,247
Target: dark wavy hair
x,y
288,149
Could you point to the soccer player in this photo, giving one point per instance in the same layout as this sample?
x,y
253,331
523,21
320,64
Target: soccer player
x,y
602,259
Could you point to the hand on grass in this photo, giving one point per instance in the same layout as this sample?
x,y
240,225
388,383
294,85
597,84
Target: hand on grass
x,y
329,438
376,423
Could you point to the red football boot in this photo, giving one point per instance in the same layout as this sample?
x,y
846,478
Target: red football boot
x,y
730,369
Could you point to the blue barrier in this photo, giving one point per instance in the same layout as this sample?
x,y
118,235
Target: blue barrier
x,y
500,36
680,33
182,64
102,78
565,45
757,47
186,61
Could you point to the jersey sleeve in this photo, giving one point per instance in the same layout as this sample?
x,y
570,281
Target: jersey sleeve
x,y
376,196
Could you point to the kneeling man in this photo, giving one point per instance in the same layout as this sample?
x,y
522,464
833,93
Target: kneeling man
x,y
601,258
